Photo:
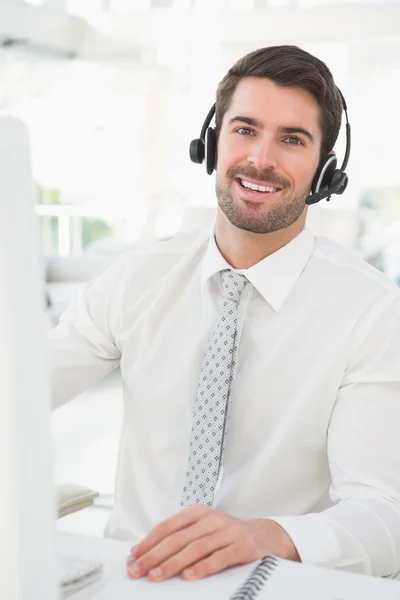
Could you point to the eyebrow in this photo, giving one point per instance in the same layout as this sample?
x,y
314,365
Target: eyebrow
x,y
248,120
298,130
256,123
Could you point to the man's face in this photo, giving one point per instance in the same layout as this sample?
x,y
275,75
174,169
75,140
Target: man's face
x,y
271,137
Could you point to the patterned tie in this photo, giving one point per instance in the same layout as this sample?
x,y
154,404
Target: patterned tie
x,y
211,406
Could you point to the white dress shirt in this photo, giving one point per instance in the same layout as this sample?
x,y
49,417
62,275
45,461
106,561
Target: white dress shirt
x,y
313,438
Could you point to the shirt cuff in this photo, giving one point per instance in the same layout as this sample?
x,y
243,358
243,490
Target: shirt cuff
x,y
315,540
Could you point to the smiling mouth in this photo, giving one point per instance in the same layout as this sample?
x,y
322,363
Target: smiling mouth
x,y
256,188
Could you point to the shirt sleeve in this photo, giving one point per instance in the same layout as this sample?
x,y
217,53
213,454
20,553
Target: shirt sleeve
x,y
82,347
361,531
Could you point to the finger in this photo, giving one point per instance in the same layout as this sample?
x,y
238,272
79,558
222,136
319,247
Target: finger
x,y
176,542
166,528
218,561
191,554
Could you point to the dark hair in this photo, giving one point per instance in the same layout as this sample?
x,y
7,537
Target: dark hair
x,y
287,66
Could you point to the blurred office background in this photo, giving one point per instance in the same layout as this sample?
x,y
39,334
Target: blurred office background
x,y
112,92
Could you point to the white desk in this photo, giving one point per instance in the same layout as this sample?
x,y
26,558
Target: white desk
x,y
112,553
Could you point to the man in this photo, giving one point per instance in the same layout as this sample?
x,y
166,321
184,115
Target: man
x,y
260,364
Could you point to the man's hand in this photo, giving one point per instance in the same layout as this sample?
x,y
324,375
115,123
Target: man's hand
x,y
200,541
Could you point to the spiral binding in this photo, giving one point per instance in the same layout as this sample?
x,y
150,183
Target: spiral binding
x,y
257,579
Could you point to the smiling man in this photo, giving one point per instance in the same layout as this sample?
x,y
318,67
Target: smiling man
x,y
268,152
260,364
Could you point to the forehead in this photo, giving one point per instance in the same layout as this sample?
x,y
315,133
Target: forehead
x,y
275,106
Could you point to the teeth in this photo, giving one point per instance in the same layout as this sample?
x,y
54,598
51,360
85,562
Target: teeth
x,y
257,188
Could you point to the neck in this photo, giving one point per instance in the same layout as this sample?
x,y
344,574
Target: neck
x,y
243,249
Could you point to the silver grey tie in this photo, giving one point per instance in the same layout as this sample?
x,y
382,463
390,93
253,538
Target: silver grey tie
x,y
212,398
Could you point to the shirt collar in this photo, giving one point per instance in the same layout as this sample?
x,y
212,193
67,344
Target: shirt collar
x,y
274,276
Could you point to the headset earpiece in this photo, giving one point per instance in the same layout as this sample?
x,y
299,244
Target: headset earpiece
x,y
339,181
205,146
324,174
211,143
196,151
328,180
204,149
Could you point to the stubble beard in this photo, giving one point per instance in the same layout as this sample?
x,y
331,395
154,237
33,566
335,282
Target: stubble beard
x,y
255,218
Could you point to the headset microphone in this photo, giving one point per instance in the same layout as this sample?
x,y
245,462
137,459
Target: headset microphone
x,y
327,181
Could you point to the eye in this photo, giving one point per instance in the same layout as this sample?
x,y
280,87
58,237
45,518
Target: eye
x,y
244,131
293,140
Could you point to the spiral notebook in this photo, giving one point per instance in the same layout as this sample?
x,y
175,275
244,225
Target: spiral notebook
x,y
271,578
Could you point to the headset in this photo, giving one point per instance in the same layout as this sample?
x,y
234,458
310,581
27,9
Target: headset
x,y
328,179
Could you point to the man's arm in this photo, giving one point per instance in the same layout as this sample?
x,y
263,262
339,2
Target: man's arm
x,y
361,532
82,348
76,361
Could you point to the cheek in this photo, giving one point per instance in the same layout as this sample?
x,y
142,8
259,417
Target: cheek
x,y
228,155
301,169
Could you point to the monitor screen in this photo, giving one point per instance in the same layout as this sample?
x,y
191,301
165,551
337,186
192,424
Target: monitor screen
x,y
27,503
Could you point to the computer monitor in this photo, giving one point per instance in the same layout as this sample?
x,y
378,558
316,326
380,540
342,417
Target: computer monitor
x,y
27,503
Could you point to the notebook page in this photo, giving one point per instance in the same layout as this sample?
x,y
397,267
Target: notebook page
x,y
302,582
219,586
288,581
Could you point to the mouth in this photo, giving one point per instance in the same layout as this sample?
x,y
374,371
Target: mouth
x,y
256,192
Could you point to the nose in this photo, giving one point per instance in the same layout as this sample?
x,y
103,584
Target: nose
x,y
262,154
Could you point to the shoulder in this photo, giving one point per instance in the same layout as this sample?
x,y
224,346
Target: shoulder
x,y
360,299
138,271
146,266
159,257
346,268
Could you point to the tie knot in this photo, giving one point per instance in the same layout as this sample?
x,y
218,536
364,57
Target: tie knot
x,y
232,284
